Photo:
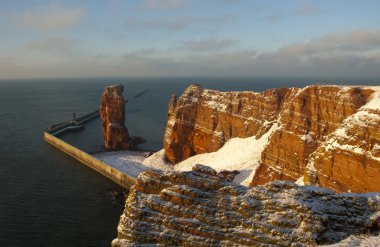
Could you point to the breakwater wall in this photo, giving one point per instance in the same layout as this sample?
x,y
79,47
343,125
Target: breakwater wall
x,y
72,125
113,174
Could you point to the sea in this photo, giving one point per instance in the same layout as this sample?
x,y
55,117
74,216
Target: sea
x,y
49,199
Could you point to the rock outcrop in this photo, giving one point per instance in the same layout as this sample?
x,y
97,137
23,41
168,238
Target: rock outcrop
x,y
308,120
202,120
112,113
349,158
203,208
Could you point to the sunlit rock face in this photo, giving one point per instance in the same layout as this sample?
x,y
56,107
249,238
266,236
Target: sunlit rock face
x,y
202,120
349,158
307,121
203,208
112,113
327,134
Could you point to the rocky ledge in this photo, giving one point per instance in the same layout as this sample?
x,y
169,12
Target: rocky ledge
x,y
204,208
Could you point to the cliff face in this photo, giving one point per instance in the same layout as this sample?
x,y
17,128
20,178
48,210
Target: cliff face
x,y
112,113
307,118
349,159
202,208
202,120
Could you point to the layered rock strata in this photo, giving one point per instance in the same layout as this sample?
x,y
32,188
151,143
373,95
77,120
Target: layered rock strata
x,y
349,158
203,120
203,208
307,119
112,113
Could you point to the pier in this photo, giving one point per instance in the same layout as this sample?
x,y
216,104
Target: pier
x,y
118,177
77,124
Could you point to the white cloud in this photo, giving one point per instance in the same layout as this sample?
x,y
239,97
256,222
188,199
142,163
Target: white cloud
x,y
359,43
352,54
49,18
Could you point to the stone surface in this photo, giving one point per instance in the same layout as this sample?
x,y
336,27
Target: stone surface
x,y
112,113
203,120
307,119
201,208
349,158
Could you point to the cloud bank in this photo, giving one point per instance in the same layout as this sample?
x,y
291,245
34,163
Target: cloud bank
x,y
352,54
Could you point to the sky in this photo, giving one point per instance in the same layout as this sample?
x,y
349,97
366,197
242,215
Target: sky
x,y
148,38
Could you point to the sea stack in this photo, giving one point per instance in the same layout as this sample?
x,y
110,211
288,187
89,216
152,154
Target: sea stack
x,y
112,113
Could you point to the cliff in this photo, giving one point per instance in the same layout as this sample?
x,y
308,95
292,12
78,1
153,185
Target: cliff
x,y
202,120
305,125
349,158
204,208
112,113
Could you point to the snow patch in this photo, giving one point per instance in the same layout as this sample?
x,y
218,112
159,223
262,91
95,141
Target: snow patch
x,y
363,117
300,181
374,102
241,154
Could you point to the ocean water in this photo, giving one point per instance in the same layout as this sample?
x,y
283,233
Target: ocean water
x,y
50,199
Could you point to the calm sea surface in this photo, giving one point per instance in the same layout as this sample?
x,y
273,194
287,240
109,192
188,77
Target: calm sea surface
x,y
50,199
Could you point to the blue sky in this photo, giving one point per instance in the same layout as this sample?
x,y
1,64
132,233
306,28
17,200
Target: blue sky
x,y
183,38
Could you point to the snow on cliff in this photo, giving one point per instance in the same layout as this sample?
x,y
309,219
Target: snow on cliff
x,y
242,154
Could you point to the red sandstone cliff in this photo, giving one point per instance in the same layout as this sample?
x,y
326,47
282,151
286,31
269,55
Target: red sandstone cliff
x,y
112,113
203,120
349,158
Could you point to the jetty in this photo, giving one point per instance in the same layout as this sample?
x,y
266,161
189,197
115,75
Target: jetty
x,y
76,124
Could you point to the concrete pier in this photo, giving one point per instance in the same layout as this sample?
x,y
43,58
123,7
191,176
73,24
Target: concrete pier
x,y
76,124
120,178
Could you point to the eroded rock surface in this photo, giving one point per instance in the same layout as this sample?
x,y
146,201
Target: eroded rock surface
x,y
307,119
349,158
112,113
202,208
203,120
